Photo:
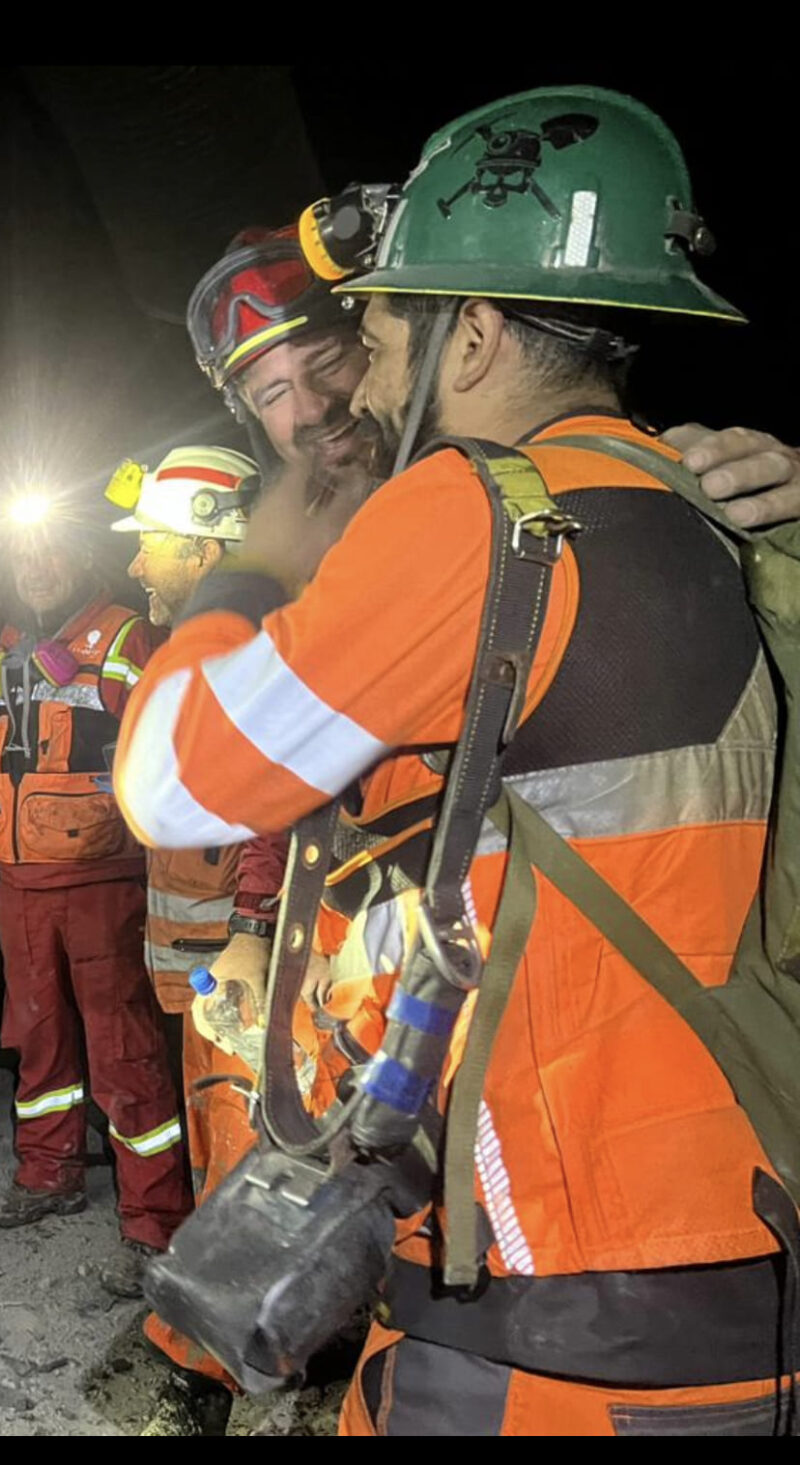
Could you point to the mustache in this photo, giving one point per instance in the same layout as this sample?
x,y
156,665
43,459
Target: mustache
x,y
367,451
379,443
334,421
386,437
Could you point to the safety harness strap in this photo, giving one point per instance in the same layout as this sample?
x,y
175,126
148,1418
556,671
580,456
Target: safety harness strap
x,y
550,853
528,532
527,538
283,1113
515,917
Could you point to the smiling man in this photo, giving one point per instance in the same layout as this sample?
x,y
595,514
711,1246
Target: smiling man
x,y
301,396
286,354
203,906
168,566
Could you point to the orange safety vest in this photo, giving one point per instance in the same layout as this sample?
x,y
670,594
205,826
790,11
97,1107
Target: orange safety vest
x,y
609,1140
54,812
190,896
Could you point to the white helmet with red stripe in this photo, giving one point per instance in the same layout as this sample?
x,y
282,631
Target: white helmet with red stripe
x,y
197,490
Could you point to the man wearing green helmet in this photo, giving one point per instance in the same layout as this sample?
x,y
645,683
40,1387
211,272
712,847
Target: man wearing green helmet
x,y
627,1286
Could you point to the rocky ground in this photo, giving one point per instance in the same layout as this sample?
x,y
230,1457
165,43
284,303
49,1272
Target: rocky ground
x,y
72,1360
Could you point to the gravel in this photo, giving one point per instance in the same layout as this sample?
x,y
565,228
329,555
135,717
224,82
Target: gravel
x,y
72,1359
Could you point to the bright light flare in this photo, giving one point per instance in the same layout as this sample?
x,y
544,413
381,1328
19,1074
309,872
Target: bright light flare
x,y
29,509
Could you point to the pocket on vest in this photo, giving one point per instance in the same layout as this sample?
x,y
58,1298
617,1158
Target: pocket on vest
x,y
69,827
766,1416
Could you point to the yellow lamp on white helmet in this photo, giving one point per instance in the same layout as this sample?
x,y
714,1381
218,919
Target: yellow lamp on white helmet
x,y
125,484
195,491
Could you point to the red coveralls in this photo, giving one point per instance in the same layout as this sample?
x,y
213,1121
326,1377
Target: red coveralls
x,y
72,911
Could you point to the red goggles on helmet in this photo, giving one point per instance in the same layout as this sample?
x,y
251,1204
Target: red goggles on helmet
x,y
255,298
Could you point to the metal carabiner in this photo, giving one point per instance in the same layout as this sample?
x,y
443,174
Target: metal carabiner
x,y
459,937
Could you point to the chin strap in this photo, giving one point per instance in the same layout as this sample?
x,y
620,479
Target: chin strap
x,y
422,388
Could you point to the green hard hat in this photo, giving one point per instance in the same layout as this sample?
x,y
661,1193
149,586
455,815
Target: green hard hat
x,y
571,194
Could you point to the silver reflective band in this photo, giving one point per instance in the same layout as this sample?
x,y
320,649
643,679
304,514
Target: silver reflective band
x,y
642,795
581,229
154,1142
73,696
188,910
729,781
58,1101
167,959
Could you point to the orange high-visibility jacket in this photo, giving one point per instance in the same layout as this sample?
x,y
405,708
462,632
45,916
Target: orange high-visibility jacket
x,y
609,1139
51,745
190,897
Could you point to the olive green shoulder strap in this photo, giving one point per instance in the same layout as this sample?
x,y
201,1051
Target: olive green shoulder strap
x,y
666,470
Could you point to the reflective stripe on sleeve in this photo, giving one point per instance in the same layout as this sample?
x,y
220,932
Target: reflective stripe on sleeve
x,y
148,785
286,721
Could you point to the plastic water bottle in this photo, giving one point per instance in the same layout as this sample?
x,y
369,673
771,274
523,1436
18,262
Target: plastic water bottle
x,y
232,1014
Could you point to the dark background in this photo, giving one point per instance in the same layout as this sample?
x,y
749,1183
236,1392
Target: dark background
x,y
121,185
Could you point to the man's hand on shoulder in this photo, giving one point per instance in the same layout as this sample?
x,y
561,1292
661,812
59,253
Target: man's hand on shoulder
x,y
754,476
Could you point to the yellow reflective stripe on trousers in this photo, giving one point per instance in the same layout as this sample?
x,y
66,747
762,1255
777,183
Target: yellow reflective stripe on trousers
x,y
56,1102
152,1143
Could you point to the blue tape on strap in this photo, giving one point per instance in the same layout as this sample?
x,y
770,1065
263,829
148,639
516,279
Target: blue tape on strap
x,y
395,1086
424,1017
